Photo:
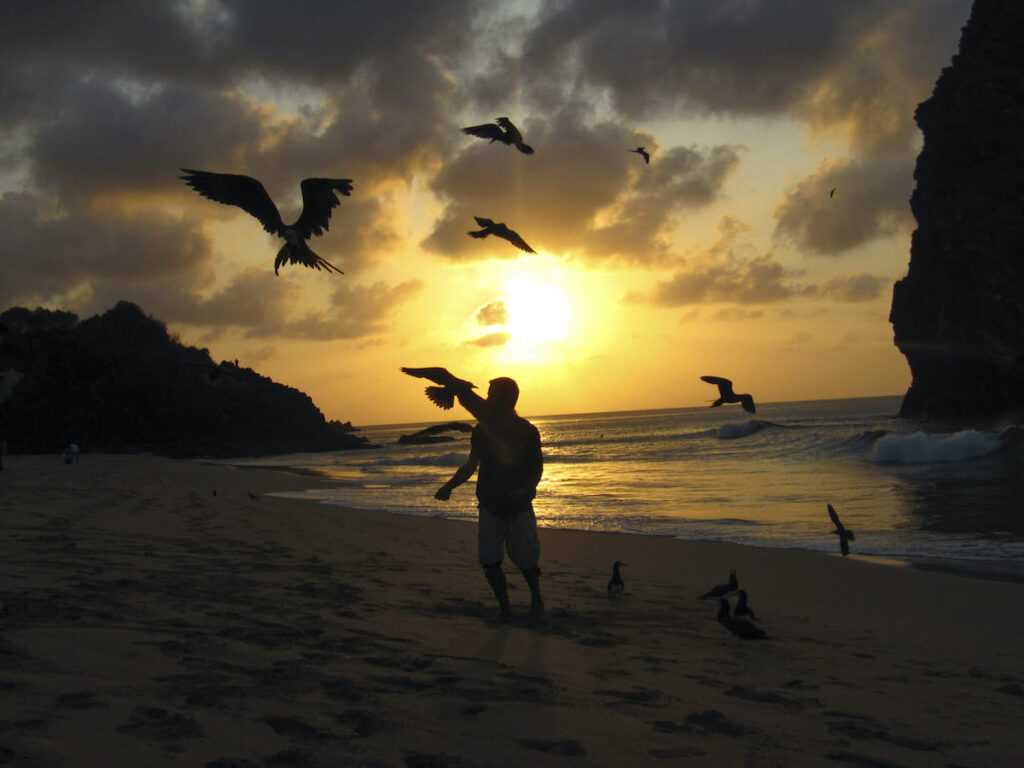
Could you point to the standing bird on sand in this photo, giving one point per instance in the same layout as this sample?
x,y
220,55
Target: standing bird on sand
x,y
643,153
616,586
742,609
443,395
500,230
739,627
501,130
722,589
726,395
318,200
845,534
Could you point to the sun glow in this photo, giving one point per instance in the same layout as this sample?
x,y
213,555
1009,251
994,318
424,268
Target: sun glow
x,y
537,312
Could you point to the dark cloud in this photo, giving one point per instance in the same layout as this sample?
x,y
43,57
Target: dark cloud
x,y
870,202
494,312
355,312
853,288
496,339
581,194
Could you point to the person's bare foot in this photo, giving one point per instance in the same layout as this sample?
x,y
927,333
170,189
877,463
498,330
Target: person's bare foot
x,y
501,616
536,611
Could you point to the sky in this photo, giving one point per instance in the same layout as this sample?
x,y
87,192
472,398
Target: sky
x,y
726,255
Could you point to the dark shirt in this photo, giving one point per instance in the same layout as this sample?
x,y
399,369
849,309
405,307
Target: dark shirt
x,y
510,460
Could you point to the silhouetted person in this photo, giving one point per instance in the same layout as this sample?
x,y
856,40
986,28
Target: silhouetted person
x,y
739,627
500,230
726,395
643,153
318,200
616,586
501,130
506,450
845,534
722,589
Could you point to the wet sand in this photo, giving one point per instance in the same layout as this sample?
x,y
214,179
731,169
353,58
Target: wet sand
x,y
160,612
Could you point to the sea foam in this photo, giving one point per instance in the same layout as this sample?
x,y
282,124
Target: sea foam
x,y
925,448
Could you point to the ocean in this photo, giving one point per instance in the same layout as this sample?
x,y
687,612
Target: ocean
x,y
908,489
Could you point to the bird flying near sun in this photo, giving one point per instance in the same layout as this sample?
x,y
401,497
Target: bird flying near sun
x,y
643,153
726,395
318,200
501,130
443,396
500,230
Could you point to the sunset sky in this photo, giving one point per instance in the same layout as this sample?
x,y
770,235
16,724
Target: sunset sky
x,y
726,255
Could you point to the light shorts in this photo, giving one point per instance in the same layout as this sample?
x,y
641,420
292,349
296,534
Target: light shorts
x,y
517,533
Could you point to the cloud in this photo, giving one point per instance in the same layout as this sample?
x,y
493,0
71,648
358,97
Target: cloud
x,y
355,312
494,312
853,288
870,203
496,339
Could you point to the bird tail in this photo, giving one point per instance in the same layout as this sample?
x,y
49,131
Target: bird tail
x,y
301,253
526,149
441,397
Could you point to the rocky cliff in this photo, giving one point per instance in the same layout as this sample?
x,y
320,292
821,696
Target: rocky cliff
x,y
958,315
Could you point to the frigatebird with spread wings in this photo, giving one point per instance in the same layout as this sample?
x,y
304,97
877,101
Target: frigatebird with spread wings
x,y
726,395
500,230
318,200
501,130
448,387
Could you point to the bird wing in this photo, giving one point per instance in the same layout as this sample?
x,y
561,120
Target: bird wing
x,y
484,222
486,131
438,375
835,517
318,200
514,238
233,189
748,403
724,385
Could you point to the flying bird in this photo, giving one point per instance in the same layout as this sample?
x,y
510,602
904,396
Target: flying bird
x,y
616,586
318,200
443,395
722,589
726,395
500,230
501,130
832,192
739,627
643,153
742,609
845,534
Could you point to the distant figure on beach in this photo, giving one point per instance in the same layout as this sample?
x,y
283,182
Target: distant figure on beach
x,y
845,534
616,586
742,609
739,627
71,454
506,449
720,590
726,395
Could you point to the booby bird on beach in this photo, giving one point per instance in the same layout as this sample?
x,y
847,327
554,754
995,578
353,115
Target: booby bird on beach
x,y
722,589
643,153
742,609
616,586
443,395
500,230
845,534
318,200
739,627
726,395
501,130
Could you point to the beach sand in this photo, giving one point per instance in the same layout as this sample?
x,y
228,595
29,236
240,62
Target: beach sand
x,y
168,613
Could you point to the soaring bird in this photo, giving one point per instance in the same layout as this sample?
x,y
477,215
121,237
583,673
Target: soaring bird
x,y
739,627
726,395
318,200
722,589
832,192
500,230
643,153
616,586
442,396
742,609
845,534
501,130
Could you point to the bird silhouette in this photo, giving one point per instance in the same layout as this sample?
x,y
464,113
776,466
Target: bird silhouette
x,y
832,192
722,589
616,586
503,130
643,153
318,200
742,609
443,395
726,395
500,230
739,627
845,534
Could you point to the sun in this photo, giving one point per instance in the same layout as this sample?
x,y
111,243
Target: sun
x,y
537,312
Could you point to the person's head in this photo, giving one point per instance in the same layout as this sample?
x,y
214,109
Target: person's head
x,y
503,392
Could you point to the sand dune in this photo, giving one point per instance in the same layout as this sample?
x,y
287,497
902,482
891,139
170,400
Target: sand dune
x,y
156,613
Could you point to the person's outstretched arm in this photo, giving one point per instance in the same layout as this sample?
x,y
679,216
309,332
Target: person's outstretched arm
x,y
462,474
473,403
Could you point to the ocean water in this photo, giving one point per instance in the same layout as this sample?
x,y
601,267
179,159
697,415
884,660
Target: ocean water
x,y
907,489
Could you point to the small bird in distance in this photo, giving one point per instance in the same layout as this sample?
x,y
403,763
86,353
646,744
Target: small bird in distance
x,y
739,627
720,590
448,387
499,230
643,153
726,395
616,586
502,130
845,534
318,200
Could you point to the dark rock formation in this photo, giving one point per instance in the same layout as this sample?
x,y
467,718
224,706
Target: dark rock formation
x,y
958,315
119,383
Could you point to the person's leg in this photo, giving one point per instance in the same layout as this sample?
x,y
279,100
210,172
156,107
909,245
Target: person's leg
x,y
490,534
499,585
524,551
